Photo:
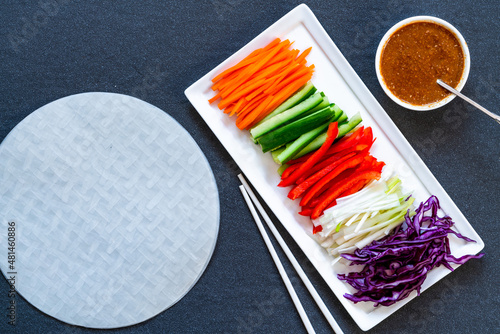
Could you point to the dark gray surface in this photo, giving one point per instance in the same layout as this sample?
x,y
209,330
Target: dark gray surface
x,y
154,50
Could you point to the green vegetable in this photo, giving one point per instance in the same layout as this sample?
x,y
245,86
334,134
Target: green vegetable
x,y
276,153
298,97
325,103
287,115
343,130
342,119
279,137
305,139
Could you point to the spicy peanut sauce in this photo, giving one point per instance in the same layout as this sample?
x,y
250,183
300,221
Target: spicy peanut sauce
x,y
418,54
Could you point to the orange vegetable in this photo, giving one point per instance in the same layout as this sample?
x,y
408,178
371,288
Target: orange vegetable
x,y
260,82
304,54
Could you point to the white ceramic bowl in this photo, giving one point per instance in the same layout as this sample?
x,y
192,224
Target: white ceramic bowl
x,y
444,24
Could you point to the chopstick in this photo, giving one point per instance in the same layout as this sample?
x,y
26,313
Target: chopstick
x,y
336,328
277,262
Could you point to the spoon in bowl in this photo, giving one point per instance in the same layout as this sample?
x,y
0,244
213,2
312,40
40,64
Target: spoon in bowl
x,y
475,104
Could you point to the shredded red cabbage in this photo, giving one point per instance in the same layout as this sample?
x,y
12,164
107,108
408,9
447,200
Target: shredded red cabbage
x,y
398,264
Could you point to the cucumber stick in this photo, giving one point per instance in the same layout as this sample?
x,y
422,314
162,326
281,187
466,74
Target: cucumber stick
x,y
342,119
307,90
303,140
318,141
287,115
289,132
276,153
325,103
349,126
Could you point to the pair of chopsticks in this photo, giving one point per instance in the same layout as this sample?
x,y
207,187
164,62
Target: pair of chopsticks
x,y
247,194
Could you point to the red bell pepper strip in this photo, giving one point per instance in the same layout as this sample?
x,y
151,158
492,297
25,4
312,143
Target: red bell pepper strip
x,y
300,159
332,204
314,202
319,166
326,162
366,131
356,148
378,165
306,212
289,170
365,142
331,135
305,157
347,141
310,181
350,163
354,189
319,195
358,141
370,163
317,229
334,192
367,136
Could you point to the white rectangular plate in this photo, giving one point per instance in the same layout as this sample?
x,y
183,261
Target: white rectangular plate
x,y
341,84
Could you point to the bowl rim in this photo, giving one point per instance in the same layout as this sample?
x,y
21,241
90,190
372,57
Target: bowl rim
x,y
423,18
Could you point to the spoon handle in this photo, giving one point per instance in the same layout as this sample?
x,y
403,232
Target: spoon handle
x,y
475,104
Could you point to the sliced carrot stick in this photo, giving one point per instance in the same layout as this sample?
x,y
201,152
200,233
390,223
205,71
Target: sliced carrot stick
x,y
234,97
259,117
235,86
251,58
246,118
261,81
250,117
228,109
271,45
272,80
255,67
243,90
282,95
237,106
264,73
274,69
251,105
259,90
245,61
224,81
302,72
242,64
215,98
281,75
284,54
304,54
289,75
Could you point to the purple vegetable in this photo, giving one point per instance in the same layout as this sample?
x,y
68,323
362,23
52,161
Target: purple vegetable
x,y
398,264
